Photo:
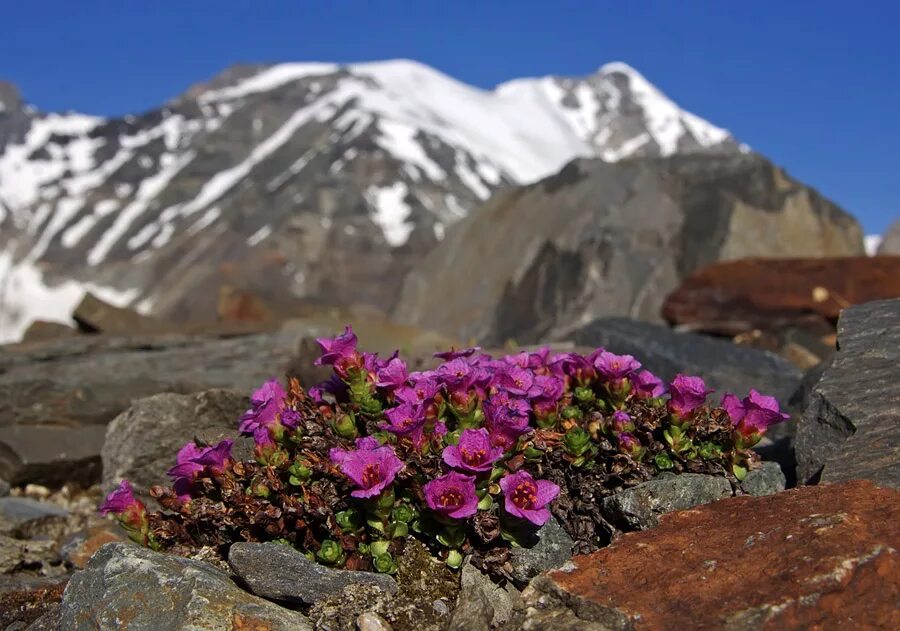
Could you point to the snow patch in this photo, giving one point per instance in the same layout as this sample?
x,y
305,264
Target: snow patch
x,y
390,212
872,242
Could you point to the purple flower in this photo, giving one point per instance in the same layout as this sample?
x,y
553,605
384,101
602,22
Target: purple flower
x,y
121,500
527,498
457,354
473,452
614,367
370,469
687,394
341,347
192,460
290,418
366,443
755,414
455,374
516,380
392,375
265,405
628,442
621,421
647,385
423,388
404,420
452,495
506,418
734,407
551,387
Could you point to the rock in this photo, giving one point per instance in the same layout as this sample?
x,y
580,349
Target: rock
x,y
51,454
767,479
171,420
298,580
25,599
640,507
93,315
370,621
553,548
813,557
851,428
16,554
890,243
41,330
733,297
15,511
129,588
483,605
58,396
78,548
49,621
4,488
620,238
237,305
725,366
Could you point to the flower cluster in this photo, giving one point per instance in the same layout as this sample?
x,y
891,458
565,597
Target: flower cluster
x,y
471,457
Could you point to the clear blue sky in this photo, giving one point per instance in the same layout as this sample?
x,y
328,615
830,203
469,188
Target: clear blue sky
x,y
813,85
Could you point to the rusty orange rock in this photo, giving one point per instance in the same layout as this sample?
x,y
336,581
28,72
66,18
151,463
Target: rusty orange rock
x,y
736,296
812,558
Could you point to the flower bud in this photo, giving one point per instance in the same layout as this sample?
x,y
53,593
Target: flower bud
x,y
384,563
300,470
349,520
403,513
577,441
345,427
454,559
663,462
330,553
584,394
571,413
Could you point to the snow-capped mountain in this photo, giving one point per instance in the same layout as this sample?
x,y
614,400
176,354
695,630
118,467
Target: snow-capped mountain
x,y
311,181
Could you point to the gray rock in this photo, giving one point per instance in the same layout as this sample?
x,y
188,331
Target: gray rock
x,y
50,621
4,488
619,238
141,443
15,511
767,479
59,396
298,580
129,588
640,507
553,548
483,605
723,365
16,553
851,428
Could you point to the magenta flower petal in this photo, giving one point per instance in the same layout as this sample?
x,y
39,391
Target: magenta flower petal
x,y
528,498
452,495
687,394
266,404
473,452
121,500
613,367
734,407
370,469
647,385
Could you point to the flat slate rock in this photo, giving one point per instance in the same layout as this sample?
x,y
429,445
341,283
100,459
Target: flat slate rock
x,y
129,588
821,557
723,365
851,428
298,580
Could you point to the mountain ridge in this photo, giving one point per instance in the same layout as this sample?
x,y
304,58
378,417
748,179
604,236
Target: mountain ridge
x,y
346,174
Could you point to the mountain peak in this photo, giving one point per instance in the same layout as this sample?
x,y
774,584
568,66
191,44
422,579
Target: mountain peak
x,y
10,99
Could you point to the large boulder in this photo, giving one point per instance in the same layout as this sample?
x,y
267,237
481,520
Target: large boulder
x,y
851,428
602,239
814,557
724,366
733,297
129,588
141,443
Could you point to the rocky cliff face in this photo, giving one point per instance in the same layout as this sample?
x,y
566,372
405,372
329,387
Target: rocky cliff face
x,y
314,182
604,238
